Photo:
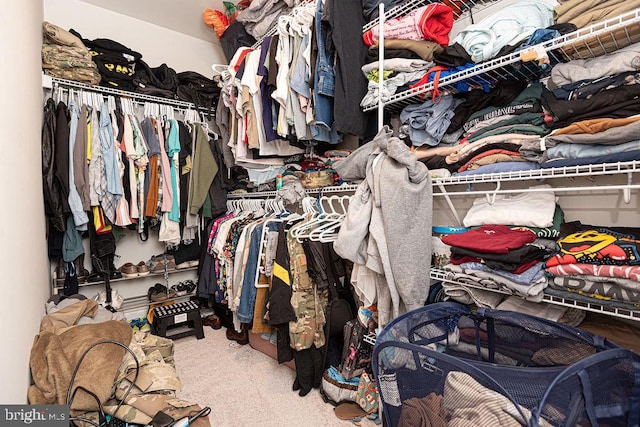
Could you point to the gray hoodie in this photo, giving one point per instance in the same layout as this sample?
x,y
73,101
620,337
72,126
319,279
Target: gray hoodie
x,y
388,225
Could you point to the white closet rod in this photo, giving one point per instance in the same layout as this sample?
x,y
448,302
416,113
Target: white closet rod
x,y
537,190
380,66
139,98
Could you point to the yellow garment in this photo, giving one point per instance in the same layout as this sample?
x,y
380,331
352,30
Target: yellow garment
x,y
594,125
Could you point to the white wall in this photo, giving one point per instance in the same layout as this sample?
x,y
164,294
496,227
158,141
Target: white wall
x,y
156,44
23,258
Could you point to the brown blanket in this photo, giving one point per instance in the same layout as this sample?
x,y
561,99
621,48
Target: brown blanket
x,y
55,356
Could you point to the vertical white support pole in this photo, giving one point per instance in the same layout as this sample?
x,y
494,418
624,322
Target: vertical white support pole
x,y
380,65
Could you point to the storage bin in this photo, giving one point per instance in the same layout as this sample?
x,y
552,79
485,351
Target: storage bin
x,y
497,368
442,251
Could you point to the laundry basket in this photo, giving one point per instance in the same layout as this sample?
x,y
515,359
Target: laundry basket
x,y
497,368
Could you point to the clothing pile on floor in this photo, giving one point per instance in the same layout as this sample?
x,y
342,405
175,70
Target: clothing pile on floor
x,y
77,330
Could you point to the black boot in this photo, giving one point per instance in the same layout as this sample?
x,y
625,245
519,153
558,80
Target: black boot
x,y
59,272
114,273
81,272
98,267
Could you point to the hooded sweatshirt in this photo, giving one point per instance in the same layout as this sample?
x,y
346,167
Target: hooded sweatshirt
x,y
396,198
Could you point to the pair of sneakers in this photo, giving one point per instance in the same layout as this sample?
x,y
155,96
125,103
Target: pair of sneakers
x,y
140,324
162,262
131,270
184,288
159,292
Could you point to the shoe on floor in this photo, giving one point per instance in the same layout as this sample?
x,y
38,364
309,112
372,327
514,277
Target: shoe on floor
x,y
212,320
241,338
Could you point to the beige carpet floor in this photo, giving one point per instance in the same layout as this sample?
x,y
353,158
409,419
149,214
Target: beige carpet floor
x,y
245,387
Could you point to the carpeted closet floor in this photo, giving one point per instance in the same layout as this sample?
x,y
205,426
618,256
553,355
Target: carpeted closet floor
x,y
245,387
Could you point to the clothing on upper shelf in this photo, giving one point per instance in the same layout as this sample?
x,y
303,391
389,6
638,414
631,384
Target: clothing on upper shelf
x,y
511,24
429,22
585,12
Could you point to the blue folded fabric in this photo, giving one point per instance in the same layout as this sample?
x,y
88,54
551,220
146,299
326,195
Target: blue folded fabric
x,y
627,156
335,375
501,167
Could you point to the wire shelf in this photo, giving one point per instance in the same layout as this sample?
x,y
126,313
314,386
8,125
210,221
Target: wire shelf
x,y
598,39
459,9
440,275
559,172
314,191
122,93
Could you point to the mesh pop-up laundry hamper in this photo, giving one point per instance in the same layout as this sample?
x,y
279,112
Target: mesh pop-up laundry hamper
x,y
444,365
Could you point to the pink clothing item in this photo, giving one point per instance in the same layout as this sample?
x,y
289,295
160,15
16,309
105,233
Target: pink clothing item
x,y
622,271
431,22
495,239
167,190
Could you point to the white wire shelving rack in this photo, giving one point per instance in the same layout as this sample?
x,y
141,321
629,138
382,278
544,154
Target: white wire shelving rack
x,y
590,170
459,8
624,313
587,171
272,31
346,188
597,39
55,83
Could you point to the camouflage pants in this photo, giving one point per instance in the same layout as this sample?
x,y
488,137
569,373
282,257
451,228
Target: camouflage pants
x,y
308,302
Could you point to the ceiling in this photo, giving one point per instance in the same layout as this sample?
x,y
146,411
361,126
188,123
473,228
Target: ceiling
x,y
183,16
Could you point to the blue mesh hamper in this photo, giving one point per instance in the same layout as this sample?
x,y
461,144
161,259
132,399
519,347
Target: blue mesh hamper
x,y
445,365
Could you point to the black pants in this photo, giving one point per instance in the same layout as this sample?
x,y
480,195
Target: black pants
x,y
309,367
101,246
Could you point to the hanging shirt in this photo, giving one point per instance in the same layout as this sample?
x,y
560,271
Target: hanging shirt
x,y
130,151
80,218
113,190
174,152
96,162
167,189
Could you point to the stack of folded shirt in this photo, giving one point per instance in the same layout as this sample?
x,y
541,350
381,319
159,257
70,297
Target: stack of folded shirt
x,y
599,264
505,249
66,57
499,258
497,131
594,109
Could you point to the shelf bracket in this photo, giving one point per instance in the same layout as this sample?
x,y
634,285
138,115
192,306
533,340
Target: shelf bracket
x,y
380,66
443,190
491,198
626,192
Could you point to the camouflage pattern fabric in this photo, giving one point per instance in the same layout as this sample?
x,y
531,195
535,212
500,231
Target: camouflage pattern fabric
x,y
154,373
140,409
150,343
69,62
309,303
